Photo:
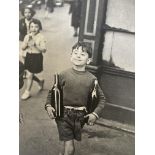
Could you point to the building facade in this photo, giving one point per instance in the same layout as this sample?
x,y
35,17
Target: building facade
x,y
109,27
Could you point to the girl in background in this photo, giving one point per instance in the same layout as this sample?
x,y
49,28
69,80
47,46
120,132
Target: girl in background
x,y
24,22
35,45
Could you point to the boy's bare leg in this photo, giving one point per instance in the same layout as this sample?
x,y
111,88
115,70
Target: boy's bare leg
x,y
69,147
61,148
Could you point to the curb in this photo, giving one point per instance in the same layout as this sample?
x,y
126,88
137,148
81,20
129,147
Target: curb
x,y
116,125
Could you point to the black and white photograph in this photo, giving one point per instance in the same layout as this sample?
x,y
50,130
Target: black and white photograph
x,y
76,77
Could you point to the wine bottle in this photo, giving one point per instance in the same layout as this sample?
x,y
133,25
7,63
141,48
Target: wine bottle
x,y
57,97
92,98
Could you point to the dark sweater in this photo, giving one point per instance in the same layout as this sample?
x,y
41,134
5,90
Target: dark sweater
x,y
76,87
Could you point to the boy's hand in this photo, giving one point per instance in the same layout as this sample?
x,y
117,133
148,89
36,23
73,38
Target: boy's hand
x,y
91,119
50,111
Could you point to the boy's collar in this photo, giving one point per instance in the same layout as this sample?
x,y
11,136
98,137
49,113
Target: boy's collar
x,y
78,71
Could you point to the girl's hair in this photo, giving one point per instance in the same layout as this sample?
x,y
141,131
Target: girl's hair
x,y
85,47
36,21
31,10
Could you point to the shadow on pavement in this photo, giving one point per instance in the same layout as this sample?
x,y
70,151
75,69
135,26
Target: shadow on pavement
x,y
99,134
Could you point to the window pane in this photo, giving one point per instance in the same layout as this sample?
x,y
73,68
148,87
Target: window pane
x,y
119,50
121,14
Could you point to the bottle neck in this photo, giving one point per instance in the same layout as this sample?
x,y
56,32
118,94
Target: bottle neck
x,y
56,80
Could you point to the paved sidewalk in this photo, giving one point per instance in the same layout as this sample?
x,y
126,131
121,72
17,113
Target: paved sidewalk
x,y
39,136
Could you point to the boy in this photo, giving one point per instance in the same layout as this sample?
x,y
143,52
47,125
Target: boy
x,y
77,84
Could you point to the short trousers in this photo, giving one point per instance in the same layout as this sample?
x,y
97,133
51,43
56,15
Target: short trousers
x,y
70,126
34,62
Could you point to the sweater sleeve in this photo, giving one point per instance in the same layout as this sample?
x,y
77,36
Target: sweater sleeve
x,y
48,99
101,101
49,95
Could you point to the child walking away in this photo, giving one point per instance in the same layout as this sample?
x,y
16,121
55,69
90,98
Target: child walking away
x,y
49,7
35,45
77,86
75,10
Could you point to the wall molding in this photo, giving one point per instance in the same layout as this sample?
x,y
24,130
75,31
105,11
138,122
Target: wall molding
x,y
95,20
116,71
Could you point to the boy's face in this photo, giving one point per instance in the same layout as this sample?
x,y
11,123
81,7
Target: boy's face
x,y
27,14
80,57
34,28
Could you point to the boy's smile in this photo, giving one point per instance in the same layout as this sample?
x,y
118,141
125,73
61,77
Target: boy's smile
x,y
79,57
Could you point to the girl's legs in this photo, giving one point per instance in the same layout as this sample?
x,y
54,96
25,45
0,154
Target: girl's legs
x,y
40,82
69,147
35,78
30,78
29,81
26,94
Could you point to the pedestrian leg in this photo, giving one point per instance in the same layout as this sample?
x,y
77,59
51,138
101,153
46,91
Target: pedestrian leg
x,y
75,32
40,82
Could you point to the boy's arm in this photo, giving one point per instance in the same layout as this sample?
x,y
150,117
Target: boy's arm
x,y
48,100
49,96
92,117
101,102
48,107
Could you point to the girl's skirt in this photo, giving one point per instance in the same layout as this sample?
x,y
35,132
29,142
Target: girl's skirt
x,y
34,62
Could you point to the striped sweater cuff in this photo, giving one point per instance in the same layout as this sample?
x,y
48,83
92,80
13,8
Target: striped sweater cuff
x,y
95,114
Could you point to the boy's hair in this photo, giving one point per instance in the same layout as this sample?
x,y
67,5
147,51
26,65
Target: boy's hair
x,y
85,47
31,10
36,21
